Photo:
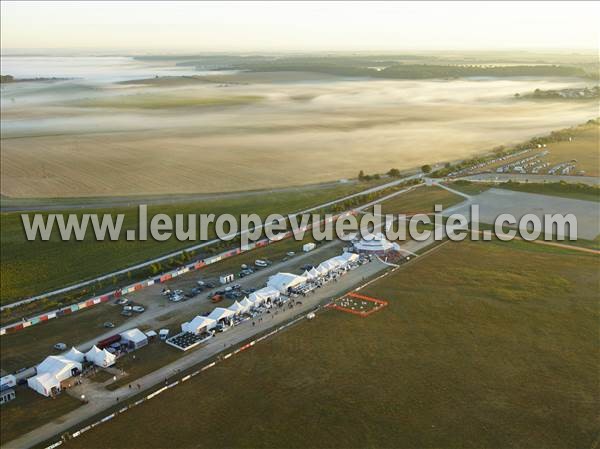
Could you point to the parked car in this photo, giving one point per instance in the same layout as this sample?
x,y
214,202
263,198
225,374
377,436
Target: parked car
x,y
122,301
138,309
109,325
216,298
60,346
260,263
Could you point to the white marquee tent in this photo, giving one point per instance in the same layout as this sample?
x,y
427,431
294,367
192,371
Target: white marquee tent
x,y
134,338
284,281
51,372
220,314
198,325
75,355
246,304
268,293
236,308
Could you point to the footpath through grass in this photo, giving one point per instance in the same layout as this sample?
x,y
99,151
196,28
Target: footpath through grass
x,y
482,345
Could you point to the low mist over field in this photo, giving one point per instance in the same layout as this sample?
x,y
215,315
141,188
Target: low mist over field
x,y
115,128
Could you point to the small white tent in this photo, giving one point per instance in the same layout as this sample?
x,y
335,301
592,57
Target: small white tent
x,y
134,338
236,308
100,357
75,355
246,304
256,299
314,273
198,325
307,275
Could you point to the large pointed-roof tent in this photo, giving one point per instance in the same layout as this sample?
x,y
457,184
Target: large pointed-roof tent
x,y
75,355
100,357
246,304
51,372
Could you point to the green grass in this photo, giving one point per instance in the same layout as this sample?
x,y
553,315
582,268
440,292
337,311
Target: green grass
x,y
567,190
420,200
30,268
470,188
147,359
30,410
482,345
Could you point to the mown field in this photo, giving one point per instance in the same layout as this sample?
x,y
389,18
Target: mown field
x,y
30,410
31,267
483,345
584,148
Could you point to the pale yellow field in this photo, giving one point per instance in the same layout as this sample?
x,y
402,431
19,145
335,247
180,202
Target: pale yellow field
x,y
96,142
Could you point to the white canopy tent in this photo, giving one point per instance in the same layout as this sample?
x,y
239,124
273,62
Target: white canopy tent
x,y
44,383
284,281
307,275
220,313
246,304
268,293
256,299
100,357
236,308
198,325
75,355
314,273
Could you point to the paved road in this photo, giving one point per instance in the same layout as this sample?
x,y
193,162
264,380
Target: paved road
x,y
100,400
199,246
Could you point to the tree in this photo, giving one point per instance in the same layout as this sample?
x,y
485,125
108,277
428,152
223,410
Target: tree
x,y
426,168
361,175
394,173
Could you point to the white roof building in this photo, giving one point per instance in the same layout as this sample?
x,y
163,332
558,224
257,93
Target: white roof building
x,y
284,281
100,357
199,324
51,372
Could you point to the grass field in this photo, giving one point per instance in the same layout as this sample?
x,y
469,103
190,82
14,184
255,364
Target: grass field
x,y
30,410
482,345
33,267
567,190
421,200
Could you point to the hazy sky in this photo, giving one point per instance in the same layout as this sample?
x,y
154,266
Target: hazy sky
x,y
297,26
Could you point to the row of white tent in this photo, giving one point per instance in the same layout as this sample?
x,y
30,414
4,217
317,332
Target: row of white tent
x,y
335,263
277,284
205,323
57,368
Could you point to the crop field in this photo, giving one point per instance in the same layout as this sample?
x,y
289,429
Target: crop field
x,y
165,139
584,149
482,345
421,200
30,267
